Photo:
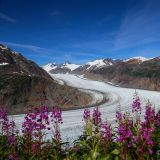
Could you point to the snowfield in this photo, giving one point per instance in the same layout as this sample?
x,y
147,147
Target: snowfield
x,y
70,66
97,63
119,98
138,58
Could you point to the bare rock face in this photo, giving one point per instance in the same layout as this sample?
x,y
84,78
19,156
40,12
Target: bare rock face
x,y
23,83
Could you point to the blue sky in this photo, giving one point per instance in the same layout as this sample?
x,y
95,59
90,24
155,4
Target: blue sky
x,y
80,30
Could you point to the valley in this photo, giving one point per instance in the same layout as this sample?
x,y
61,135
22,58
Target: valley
x,y
119,99
134,72
73,87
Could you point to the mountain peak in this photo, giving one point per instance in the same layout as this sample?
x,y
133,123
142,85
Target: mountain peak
x,y
69,67
49,66
139,58
97,63
91,65
2,46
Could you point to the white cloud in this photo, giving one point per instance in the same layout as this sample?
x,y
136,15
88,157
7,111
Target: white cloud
x,y
139,26
7,18
33,48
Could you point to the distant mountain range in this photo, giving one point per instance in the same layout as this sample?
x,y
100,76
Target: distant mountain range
x,y
136,72
89,66
23,83
69,67
60,68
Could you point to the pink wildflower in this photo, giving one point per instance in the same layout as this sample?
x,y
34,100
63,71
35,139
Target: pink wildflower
x,y
97,117
86,114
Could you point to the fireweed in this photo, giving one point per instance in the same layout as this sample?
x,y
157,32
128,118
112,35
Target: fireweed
x,y
97,121
97,135
9,133
56,119
34,127
145,132
158,119
106,131
92,122
36,122
124,130
4,122
96,117
106,139
136,105
134,137
124,134
86,114
136,134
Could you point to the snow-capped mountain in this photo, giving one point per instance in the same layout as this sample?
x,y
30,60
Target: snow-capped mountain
x,y
69,67
93,65
49,66
140,59
99,63
62,68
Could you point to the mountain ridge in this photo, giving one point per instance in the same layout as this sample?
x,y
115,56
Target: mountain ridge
x,y
24,84
135,72
97,63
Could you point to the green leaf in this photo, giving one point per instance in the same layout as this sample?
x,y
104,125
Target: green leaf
x,y
31,158
106,157
116,158
115,151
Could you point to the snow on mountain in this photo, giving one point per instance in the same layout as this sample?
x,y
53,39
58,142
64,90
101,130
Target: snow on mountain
x,y
54,66
70,66
91,65
137,58
98,63
49,66
67,67
3,47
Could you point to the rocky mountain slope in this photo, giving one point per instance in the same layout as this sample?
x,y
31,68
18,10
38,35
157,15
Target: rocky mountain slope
x,y
136,72
24,84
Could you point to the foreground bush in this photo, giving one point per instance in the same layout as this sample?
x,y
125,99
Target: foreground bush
x,y
134,138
